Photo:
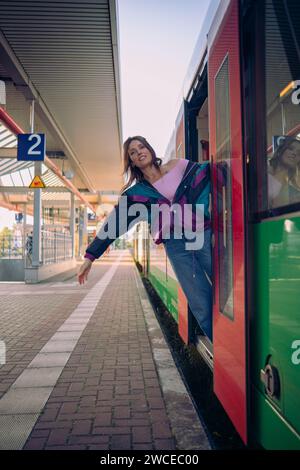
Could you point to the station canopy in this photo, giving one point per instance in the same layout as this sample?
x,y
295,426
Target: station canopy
x,y
16,176
64,55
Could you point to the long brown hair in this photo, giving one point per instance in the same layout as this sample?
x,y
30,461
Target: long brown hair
x,y
132,172
276,160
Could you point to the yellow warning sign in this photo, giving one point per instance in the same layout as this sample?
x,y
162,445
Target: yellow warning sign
x,y
37,182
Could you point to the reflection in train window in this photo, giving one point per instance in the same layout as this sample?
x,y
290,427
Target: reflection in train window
x,y
282,70
224,190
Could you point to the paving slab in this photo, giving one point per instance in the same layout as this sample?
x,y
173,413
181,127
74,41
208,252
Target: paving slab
x,y
38,377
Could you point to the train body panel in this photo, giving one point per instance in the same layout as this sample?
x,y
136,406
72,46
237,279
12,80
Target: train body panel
x,y
277,330
164,284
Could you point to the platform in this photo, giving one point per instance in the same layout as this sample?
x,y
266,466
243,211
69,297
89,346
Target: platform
x,y
87,367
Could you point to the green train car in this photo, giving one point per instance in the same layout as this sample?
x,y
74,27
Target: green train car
x,y
240,110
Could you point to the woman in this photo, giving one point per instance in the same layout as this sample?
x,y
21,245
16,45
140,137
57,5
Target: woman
x,y
284,177
179,183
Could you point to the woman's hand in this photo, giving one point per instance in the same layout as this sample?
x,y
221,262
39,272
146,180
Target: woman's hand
x,y
84,271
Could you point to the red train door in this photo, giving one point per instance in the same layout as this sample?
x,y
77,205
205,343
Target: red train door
x,y
229,337
183,315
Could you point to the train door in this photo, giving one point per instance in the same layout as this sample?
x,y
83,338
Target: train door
x,y
197,149
183,316
225,130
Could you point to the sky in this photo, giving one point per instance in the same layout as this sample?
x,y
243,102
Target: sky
x,y
156,39
7,218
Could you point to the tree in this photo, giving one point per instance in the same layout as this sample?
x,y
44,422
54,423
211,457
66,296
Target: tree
x,y
6,232
6,235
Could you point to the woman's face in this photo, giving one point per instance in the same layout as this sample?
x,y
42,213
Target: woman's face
x,y
139,154
291,156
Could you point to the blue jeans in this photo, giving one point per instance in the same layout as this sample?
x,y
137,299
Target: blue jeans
x,y
193,271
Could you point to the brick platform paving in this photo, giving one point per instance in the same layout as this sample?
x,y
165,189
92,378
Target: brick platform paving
x,y
30,315
119,388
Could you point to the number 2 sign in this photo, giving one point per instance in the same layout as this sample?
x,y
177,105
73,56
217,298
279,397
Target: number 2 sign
x,y
31,147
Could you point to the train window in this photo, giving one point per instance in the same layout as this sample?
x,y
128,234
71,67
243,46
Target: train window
x,y
282,88
224,188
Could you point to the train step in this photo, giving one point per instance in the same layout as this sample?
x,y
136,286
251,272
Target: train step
x,y
205,348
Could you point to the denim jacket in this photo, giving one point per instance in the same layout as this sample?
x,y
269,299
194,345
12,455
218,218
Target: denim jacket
x,y
193,189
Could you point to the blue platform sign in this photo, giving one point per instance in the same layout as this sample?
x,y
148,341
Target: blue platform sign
x,y
31,147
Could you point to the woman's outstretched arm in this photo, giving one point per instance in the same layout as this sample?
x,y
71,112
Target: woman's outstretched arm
x,y
116,224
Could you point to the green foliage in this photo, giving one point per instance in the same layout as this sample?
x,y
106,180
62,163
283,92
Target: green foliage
x,y
6,232
6,235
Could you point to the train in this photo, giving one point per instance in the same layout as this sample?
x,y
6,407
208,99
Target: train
x,y
240,111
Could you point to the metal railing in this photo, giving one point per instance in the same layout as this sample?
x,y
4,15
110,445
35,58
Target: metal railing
x,y
55,246
11,247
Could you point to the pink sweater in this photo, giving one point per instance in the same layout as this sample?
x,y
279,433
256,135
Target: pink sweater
x,y
167,186
168,183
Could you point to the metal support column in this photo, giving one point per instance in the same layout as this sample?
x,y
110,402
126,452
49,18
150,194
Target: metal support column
x,y
37,206
37,216
24,232
72,222
85,230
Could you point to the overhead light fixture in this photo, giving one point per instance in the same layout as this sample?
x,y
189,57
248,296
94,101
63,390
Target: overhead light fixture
x,y
69,174
286,90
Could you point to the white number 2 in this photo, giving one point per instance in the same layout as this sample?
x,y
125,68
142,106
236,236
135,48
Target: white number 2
x,y
31,150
